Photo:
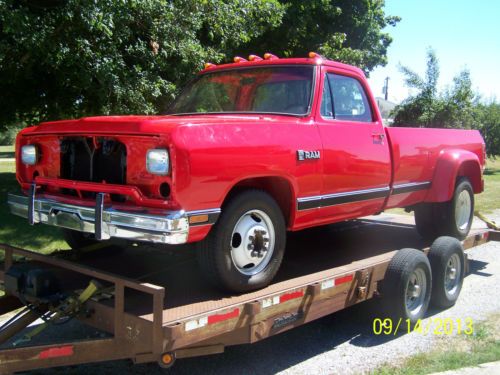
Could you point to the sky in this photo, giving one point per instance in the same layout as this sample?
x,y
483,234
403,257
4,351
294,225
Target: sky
x,y
464,35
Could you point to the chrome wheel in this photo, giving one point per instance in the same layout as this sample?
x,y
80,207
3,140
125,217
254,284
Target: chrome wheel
x,y
252,242
416,291
452,275
463,205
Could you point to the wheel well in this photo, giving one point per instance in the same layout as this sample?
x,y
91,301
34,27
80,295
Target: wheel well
x,y
277,187
472,171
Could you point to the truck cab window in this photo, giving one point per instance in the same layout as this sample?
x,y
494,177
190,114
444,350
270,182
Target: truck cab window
x,y
349,99
326,101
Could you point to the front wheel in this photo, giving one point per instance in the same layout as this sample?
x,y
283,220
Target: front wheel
x,y
245,248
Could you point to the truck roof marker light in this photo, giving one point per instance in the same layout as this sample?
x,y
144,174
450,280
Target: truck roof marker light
x,y
317,57
314,55
254,58
238,59
270,56
209,65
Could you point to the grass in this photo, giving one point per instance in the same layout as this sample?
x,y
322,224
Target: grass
x,y
489,200
453,352
16,231
6,152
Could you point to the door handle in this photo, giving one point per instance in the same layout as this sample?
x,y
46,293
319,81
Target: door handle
x,y
378,138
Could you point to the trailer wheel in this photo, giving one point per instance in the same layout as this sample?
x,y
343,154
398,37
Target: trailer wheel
x,y
244,249
447,261
407,286
78,240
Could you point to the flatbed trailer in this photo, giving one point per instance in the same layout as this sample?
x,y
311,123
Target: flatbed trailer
x,y
154,306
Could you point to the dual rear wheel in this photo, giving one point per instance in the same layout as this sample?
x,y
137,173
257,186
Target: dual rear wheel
x,y
452,218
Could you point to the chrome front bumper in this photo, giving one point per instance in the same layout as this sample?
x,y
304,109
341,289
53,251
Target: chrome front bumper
x,y
171,227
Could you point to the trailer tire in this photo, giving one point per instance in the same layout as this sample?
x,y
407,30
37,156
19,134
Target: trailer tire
x,y
407,286
78,240
447,261
244,249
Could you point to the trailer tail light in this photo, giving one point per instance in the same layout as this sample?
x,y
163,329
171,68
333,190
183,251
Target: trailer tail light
x,y
238,59
270,56
254,58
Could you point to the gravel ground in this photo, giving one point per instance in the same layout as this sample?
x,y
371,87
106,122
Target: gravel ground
x,y
340,343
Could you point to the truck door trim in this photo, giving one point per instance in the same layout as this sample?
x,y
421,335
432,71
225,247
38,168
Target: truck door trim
x,y
306,203
410,187
317,201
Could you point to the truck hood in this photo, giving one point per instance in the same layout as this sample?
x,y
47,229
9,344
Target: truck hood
x,y
144,125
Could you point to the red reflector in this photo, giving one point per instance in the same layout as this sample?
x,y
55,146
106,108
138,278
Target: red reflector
x,y
293,295
63,351
343,279
221,317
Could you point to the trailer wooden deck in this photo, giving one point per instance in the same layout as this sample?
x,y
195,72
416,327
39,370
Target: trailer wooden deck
x,y
159,303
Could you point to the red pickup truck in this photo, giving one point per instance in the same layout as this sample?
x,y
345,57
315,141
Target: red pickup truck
x,y
248,151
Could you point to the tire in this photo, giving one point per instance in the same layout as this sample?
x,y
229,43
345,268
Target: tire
x,y
249,220
425,220
447,261
78,240
452,218
456,216
408,269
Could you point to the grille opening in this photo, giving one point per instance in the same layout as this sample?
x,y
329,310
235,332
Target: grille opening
x,y
94,159
164,190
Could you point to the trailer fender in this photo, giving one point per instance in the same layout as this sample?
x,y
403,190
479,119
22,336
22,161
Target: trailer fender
x,y
450,165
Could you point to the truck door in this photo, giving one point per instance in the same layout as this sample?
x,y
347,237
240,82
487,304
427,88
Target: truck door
x,y
356,160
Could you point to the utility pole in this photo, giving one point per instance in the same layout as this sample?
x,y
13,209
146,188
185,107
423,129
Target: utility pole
x,y
386,88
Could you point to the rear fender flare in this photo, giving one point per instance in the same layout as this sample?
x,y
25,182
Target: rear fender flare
x,y
450,165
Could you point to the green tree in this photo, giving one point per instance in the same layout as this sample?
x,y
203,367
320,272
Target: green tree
x,y
349,31
488,119
69,58
451,108
72,58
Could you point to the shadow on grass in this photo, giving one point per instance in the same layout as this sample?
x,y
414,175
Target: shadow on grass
x,y
491,172
6,154
16,231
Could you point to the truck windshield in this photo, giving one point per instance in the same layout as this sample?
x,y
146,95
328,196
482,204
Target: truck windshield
x,y
280,90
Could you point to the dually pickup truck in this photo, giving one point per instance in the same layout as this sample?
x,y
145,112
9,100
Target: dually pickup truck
x,y
248,151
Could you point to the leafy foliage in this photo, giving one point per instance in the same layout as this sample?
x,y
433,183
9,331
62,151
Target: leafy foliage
x,y
456,107
73,58
349,31
488,122
452,108
68,58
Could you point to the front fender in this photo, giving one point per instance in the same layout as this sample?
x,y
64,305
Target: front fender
x,y
450,165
